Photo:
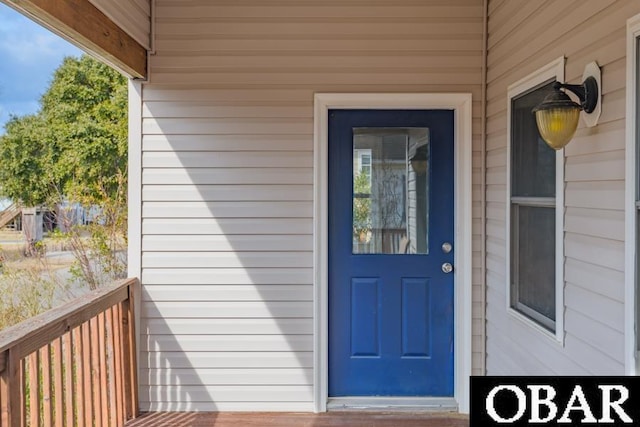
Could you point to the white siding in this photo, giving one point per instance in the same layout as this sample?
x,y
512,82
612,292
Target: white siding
x,y
227,154
133,16
524,36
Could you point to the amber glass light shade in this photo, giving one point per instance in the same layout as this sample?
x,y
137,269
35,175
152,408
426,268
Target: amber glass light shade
x,y
558,125
419,166
557,116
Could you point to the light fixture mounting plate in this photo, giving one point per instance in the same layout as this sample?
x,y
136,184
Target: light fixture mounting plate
x,y
593,70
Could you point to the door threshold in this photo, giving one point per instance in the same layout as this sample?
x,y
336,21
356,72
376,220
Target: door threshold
x,y
393,404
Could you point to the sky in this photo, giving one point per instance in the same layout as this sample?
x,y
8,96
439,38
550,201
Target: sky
x,y
29,54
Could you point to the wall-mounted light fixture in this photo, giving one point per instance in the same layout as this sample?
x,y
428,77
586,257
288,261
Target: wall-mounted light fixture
x,y
558,115
419,160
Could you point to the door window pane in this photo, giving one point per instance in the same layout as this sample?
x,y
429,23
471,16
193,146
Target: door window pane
x,y
390,190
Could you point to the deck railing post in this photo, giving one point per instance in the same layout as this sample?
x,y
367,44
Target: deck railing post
x,y
133,358
11,393
129,357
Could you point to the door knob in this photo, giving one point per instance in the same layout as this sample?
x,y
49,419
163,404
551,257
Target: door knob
x,y
447,267
447,247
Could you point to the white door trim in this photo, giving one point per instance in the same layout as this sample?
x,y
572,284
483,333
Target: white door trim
x,y
461,104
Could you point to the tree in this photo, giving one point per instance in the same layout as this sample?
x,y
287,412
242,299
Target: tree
x,y
74,150
75,147
26,159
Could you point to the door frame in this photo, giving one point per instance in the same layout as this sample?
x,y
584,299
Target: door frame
x,y
461,104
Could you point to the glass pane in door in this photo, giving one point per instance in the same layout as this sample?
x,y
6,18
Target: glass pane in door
x,y
390,190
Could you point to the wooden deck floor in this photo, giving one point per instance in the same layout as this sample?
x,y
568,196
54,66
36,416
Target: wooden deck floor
x,y
271,419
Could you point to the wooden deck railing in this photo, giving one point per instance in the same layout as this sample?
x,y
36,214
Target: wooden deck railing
x,y
74,365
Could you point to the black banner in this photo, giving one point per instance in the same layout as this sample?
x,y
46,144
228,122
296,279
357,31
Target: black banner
x,y
555,401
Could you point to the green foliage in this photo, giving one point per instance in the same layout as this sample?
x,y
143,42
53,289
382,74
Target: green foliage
x,y
25,161
75,146
361,206
99,248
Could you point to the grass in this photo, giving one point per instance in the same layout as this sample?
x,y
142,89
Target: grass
x,y
60,267
29,285
13,252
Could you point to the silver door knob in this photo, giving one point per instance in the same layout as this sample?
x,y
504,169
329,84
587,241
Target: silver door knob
x,y
447,267
447,247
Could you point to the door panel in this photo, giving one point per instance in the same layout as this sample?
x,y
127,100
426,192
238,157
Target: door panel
x,y
390,211
365,317
416,318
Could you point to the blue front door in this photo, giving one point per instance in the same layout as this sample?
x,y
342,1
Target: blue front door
x,y
391,229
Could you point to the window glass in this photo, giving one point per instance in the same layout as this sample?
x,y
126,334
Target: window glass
x,y
534,163
390,190
536,256
533,213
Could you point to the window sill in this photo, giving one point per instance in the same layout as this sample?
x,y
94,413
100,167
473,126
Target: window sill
x,y
551,336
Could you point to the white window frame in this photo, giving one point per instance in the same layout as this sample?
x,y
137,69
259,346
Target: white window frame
x,y
362,153
632,363
553,70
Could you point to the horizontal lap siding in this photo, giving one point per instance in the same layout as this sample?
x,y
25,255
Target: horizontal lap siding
x,y
227,154
133,16
524,36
